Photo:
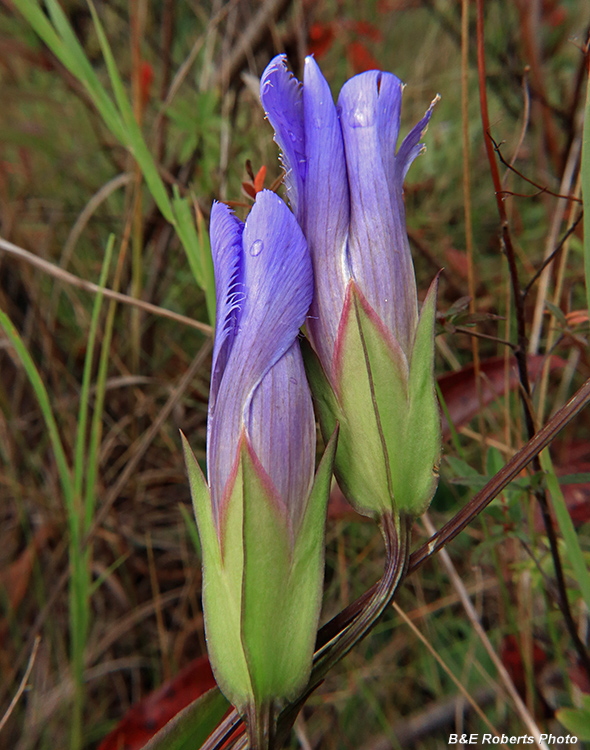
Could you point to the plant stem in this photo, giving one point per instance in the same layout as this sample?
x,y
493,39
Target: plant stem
x,y
260,726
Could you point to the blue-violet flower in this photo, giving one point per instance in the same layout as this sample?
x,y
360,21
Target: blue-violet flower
x,y
261,517
375,376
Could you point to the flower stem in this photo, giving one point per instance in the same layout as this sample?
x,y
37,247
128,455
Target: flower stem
x,y
260,723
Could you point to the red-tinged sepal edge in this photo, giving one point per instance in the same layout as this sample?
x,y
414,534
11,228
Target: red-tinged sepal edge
x,y
389,443
262,581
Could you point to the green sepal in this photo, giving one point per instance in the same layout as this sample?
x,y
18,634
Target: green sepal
x,y
420,457
262,580
222,582
267,562
389,444
282,582
370,374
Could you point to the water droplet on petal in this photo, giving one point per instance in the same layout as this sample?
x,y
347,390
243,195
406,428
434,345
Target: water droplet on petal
x,y
256,248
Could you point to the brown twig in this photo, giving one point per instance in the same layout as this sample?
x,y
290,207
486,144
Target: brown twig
x,y
485,336
89,286
23,683
503,478
552,255
542,189
251,36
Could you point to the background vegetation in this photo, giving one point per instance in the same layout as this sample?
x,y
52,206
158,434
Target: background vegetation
x,y
108,178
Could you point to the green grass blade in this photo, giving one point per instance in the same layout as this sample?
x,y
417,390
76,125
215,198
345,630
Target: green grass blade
x,y
40,391
566,527
43,28
68,50
85,390
191,727
188,235
96,426
105,575
135,140
197,248
78,600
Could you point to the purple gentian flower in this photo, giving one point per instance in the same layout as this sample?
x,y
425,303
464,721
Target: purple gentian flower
x,y
263,287
345,185
261,515
344,180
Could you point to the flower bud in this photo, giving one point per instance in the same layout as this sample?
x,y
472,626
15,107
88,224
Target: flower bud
x,y
261,517
374,369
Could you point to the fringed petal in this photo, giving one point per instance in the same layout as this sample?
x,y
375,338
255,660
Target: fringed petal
x,y
280,94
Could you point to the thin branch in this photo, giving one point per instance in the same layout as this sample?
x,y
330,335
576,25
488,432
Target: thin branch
x,y
503,478
89,286
486,336
23,683
552,255
541,189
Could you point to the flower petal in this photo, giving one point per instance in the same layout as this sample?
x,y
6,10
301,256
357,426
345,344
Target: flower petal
x,y
226,249
411,146
277,288
327,210
281,427
280,94
378,247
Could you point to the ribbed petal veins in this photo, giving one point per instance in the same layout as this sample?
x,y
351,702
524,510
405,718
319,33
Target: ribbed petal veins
x,y
276,287
327,210
378,247
281,427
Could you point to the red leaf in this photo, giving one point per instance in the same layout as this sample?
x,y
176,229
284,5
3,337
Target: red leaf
x,y
368,30
460,393
150,714
577,317
360,58
249,189
320,38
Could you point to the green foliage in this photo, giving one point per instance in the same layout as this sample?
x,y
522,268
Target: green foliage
x,y
189,729
577,720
